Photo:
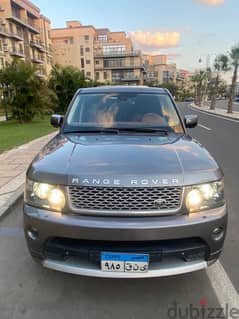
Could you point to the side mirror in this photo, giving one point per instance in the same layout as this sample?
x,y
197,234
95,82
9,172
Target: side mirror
x,y
190,121
56,120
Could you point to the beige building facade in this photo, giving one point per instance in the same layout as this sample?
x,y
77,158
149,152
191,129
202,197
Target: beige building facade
x,y
24,34
104,56
74,45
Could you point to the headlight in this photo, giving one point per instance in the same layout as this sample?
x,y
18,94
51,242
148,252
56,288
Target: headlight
x,y
205,196
44,195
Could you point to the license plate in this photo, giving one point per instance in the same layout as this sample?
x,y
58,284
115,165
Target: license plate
x,y
124,262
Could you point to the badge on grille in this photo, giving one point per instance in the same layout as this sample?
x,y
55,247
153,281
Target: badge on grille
x,y
159,202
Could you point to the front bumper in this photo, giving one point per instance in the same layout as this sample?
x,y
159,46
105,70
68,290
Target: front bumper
x,y
176,244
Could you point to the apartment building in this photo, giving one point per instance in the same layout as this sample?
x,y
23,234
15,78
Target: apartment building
x,y
158,70
24,34
184,78
156,59
74,45
115,59
103,55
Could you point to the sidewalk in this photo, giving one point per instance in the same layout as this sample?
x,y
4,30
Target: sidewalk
x,y
217,111
13,166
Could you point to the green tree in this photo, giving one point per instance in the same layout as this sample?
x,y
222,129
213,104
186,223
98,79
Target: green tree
x,y
234,59
172,87
27,94
221,64
199,80
64,81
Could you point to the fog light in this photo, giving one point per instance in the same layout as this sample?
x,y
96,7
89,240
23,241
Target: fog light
x,y
32,233
217,233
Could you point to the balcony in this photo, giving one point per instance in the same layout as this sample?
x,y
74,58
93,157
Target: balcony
x,y
3,32
37,60
117,54
17,53
37,44
26,23
16,36
122,67
126,78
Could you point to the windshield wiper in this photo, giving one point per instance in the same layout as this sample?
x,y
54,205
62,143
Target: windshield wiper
x,y
118,130
97,130
143,130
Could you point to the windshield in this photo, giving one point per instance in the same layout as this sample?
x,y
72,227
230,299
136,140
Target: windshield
x,y
123,110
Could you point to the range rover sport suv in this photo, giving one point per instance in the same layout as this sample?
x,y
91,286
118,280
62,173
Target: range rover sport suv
x,y
123,191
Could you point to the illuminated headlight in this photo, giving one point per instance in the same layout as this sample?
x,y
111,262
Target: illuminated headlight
x,y
44,195
205,196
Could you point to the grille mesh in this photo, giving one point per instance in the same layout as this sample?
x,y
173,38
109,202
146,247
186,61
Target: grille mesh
x,y
125,199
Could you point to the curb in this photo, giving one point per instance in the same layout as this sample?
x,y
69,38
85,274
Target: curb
x,y
4,210
214,114
13,195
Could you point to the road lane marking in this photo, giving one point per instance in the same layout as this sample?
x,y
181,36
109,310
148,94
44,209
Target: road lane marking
x,y
206,128
222,286
214,115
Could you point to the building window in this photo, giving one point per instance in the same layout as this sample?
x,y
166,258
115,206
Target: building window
x,y
97,76
19,31
113,63
66,41
87,38
11,27
81,50
105,75
1,46
87,62
82,63
97,62
71,40
88,73
102,37
87,49
114,48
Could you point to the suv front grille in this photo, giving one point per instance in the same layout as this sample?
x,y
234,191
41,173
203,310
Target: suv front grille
x,y
125,198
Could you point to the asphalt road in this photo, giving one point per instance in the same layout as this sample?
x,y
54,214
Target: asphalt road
x,y
220,137
29,291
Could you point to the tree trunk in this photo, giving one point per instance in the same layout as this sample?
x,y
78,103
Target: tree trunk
x,y
200,95
233,89
214,95
196,95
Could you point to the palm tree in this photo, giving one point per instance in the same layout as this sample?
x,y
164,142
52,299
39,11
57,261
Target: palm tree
x,y
221,64
27,93
199,79
64,81
234,56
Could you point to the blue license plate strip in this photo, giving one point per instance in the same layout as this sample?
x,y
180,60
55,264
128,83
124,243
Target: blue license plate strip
x,y
124,262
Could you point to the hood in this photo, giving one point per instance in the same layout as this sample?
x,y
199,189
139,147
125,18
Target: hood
x,y
124,160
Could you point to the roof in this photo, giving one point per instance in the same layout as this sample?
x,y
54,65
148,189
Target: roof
x,y
123,89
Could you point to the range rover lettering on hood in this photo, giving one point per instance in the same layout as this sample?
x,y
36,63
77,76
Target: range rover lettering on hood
x,y
125,181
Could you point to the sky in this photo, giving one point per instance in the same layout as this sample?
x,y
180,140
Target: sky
x,y
186,30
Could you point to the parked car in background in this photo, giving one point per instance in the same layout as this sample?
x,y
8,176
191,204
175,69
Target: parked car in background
x,y
236,99
189,99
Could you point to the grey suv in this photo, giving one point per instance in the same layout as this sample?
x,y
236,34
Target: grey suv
x,y
123,191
